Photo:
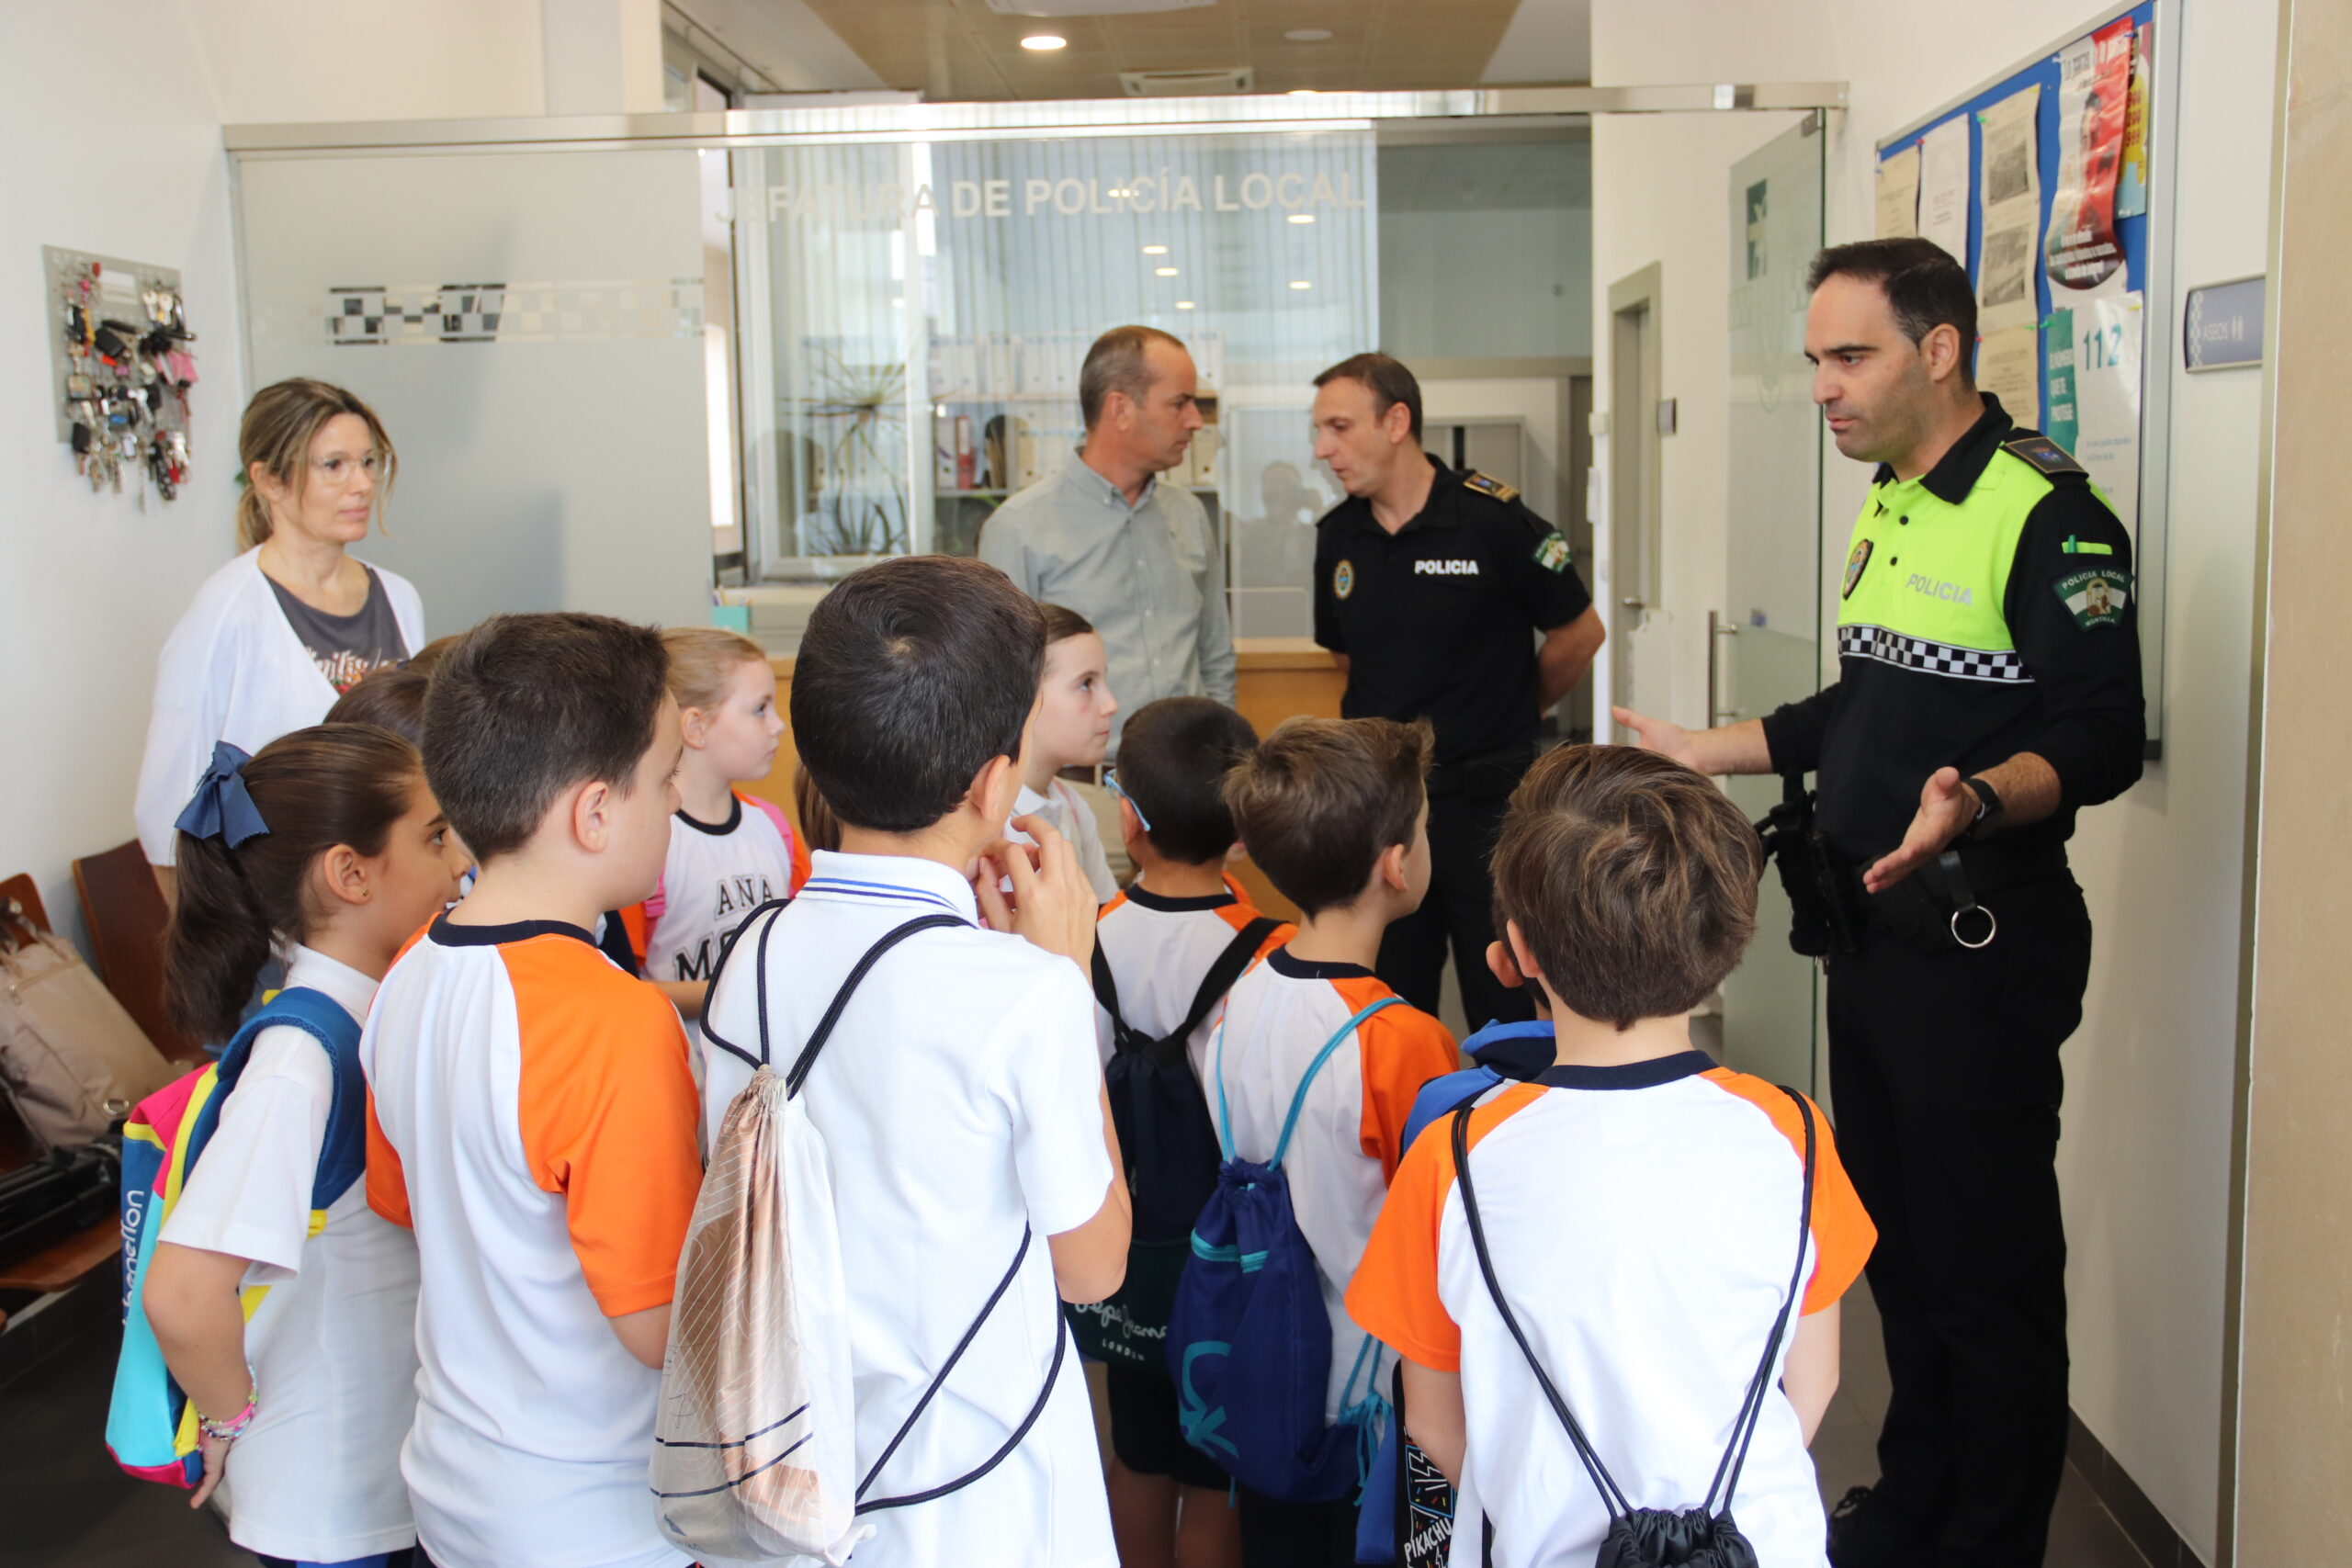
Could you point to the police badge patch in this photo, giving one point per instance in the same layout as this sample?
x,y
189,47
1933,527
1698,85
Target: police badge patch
x,y
2096,595
1344,580
1552,554
1854,565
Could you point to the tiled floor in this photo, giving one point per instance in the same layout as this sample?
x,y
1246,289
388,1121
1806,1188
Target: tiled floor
x,y
67,1507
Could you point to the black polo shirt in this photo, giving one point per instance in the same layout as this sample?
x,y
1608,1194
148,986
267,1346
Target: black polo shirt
x,y
1905,703
1438,620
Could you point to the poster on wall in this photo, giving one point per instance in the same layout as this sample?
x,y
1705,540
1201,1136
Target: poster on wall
x,y
2007,364
2008,214
2082,252
2105,375
2131,184
1898,196
1943,187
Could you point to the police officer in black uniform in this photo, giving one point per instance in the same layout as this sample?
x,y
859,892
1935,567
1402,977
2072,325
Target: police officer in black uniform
x,y
1431,586
1988,689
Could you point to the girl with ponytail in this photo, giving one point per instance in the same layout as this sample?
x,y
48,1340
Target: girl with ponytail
x,y
328,846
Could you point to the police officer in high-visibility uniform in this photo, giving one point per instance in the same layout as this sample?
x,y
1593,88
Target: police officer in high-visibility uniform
x,y
1444,598
1989,688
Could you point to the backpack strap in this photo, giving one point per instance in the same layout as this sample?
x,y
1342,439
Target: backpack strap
x,y
1106,992
766,915
798,1074
1021,1432
1613,1496
343,1154
1220,979
1752,1411
1299,1097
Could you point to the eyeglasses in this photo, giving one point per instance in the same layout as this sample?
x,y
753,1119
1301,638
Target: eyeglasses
x,y
1111,782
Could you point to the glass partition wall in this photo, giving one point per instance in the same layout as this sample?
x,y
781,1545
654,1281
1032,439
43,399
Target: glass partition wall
x,y
915,314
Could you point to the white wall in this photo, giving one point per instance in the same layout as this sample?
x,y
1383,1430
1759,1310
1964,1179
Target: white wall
x,y
2145,1157
294,61
89,584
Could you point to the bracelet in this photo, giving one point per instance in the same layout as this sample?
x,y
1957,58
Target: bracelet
x,y
228,1431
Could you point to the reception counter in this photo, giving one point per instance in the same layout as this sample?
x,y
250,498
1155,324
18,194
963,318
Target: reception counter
x,y
1276,678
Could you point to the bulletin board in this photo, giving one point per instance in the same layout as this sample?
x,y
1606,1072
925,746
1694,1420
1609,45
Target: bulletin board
x,y
2084,353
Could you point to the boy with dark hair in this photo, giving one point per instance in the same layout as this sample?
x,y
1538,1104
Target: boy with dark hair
x,y
959,1099
531,1113
1165,949
1336,814
1646,1292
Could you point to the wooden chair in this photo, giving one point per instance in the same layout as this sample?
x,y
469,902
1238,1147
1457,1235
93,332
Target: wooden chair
x,y
63,1263
126,915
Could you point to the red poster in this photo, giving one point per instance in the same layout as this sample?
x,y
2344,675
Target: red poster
x,y
2082,250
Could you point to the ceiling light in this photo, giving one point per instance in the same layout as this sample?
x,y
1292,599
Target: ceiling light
x,y
1155,250
1302,92
1044,40
1164,271
1300,285
1183,304
1302,218
1308,35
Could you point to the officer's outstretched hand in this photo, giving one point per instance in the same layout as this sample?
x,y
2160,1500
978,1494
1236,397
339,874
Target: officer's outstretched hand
x,y
1945,812
1658,735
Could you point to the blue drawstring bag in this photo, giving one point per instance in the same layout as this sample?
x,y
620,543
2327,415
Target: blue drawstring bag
x,y
1249,1341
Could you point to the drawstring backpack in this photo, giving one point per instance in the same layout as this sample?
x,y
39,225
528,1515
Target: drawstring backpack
x,y
1170,1146
1704,1537
1249,1341
151,1425
755,1440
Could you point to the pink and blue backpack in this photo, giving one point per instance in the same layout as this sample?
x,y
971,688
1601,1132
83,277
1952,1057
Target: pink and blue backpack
x,y
150,1426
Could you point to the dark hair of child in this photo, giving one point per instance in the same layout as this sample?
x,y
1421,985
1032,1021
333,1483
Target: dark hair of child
x,y
913,676
392,698
315,788
1173,757
1320,799
525,706
820,828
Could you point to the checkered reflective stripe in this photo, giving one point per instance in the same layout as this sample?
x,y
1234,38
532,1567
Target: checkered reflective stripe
x,y
1931,657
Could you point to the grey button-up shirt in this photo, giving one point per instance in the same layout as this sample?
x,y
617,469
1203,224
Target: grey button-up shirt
x,y
1148,576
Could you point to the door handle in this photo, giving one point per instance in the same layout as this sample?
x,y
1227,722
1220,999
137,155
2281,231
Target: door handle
x,y
1630,603
1718,628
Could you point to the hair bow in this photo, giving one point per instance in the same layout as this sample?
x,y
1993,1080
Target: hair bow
x,y
222,806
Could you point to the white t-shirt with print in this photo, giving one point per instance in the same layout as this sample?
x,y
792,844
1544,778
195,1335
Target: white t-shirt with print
x,y
959,1099
317,1477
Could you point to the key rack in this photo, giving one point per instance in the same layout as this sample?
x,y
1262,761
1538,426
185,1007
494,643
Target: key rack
x,y
122,364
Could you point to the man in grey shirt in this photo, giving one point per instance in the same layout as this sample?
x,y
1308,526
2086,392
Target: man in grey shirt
x,y
1106,538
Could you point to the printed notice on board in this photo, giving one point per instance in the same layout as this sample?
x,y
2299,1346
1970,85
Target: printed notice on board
x,y
2107,340
2009,214
1898,195
1943,187
2009,366
2131,184
2082,251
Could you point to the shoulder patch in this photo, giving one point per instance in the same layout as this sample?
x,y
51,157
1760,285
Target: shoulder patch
x,y
1489,487
2042,455
2096,595
1551,552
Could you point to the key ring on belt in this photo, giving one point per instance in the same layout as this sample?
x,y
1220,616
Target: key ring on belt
x,y
1963,899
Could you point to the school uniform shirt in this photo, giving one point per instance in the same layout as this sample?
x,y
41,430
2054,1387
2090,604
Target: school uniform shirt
x,y
235,670
960,1103
1074,820
717,873
1351,1133
1159,949
1642,1222
333,1347
531,1116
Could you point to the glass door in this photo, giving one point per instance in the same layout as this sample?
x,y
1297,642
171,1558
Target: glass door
x,y
1766,644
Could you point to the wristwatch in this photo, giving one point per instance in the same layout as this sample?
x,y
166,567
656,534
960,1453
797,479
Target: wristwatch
x,y
1988,808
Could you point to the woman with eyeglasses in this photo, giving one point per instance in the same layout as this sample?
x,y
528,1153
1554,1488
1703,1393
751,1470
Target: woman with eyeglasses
x,y
272,638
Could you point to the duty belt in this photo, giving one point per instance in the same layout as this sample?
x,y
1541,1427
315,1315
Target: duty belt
x,y
1938,903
